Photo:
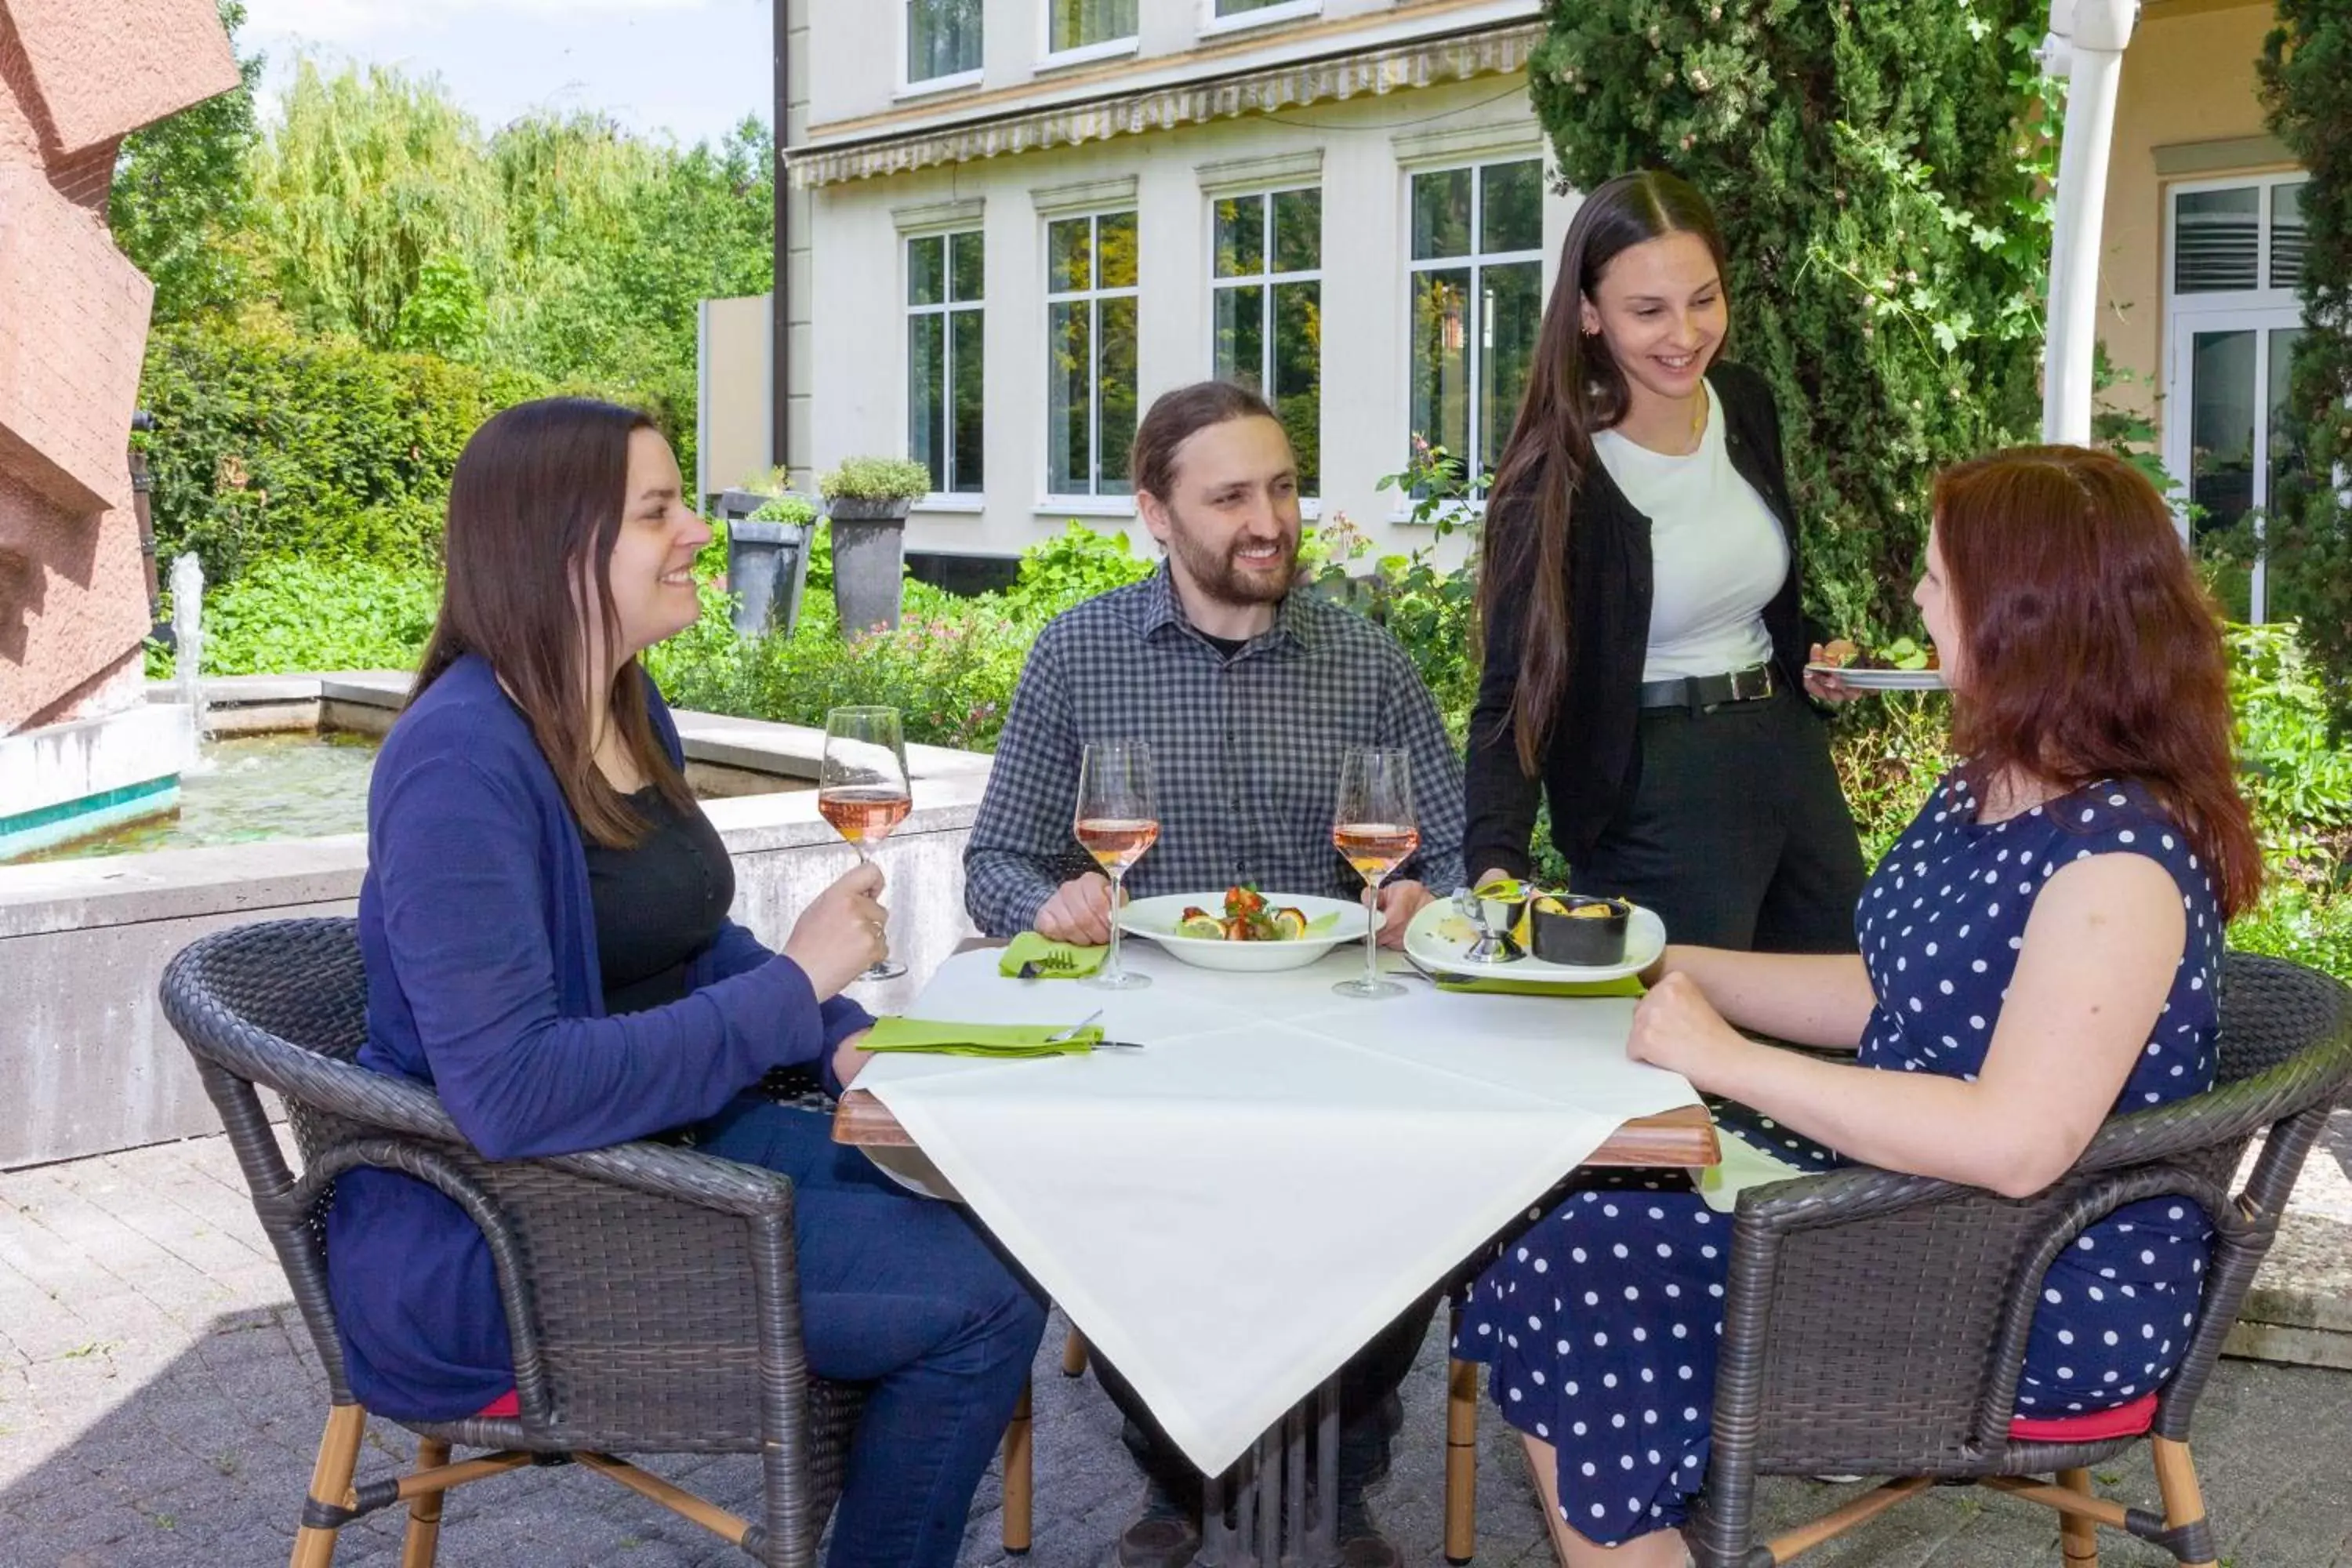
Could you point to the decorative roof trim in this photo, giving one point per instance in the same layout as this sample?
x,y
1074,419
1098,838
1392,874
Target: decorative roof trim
x,y
1462,144
1086,195
932,217
1427,62
1232,175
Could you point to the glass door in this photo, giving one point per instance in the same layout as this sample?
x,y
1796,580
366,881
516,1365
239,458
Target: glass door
x,y
2225,429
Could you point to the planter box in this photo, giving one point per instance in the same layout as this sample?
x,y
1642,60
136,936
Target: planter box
x,y
869,553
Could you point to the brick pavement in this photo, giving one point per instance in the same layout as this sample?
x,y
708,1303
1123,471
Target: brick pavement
x,y
159,1407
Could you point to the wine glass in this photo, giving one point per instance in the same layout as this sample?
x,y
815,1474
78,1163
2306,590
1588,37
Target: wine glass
x,y
1374,828
1118,819
862,787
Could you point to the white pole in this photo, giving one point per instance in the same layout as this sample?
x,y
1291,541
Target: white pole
x,y
2087,44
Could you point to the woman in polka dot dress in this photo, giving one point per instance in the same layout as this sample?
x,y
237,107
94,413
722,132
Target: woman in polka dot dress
x,y
2039,950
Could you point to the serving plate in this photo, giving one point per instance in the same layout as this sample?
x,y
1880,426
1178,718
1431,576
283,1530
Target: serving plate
x,y
1330,921
1439,938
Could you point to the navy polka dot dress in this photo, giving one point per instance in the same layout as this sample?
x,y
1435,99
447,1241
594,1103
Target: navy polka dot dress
x,y
1601,1320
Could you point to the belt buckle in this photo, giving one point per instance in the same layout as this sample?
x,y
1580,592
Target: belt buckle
x,y
1740,689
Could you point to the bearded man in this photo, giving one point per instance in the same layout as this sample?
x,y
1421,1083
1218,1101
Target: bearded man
x,y
1249,689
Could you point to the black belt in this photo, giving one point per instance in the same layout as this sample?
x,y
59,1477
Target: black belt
x,y
1697,691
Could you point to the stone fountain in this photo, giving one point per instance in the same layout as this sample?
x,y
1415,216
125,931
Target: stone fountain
x,y
80,747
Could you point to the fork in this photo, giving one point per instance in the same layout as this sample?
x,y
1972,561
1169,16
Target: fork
x,y
1071,1032
1055,962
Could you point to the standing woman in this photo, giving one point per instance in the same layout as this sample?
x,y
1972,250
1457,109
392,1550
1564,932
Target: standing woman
x,y
1645,643
545,934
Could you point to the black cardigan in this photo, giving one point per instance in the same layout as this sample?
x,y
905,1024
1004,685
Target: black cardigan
x,y
1589,767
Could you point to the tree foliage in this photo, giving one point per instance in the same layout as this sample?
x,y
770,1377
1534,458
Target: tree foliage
x,y
2307,83
1877,166
343,296
181,196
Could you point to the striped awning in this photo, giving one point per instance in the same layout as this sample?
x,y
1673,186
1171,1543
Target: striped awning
x,y
1423,63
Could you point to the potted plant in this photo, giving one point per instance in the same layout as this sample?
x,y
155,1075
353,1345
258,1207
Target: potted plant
x,y
767,553
866,500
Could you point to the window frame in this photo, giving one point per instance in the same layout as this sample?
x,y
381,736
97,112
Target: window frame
x,y
923,87
1213,24
2262,310
1094,500
1266,282
1477,261
950,498
1049,58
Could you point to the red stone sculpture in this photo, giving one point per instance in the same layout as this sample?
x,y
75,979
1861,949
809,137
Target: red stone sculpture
x,y
76,77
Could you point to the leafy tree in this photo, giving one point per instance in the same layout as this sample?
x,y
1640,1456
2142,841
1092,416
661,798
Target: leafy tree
x,y
1875,165
372,180
2307,83
182,195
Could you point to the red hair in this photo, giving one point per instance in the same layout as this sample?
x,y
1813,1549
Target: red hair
x,y
2092,649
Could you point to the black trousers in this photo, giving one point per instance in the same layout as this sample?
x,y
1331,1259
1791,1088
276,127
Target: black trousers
x,y
1369,1412
1735,831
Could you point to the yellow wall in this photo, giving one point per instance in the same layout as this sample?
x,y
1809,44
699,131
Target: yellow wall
x,y
2189,78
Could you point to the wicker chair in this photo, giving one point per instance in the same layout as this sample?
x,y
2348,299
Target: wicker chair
x,y
1876,1325
649,1290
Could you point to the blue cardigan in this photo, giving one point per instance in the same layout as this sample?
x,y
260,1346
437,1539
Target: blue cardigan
x,y
481,948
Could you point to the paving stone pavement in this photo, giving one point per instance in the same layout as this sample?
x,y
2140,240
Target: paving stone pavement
x,y
159,1407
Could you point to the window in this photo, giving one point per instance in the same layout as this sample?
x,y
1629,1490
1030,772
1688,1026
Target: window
x,y
944,358
1090,303
942,40
1477,298
1079,23
1222,9
1266,294
2231,320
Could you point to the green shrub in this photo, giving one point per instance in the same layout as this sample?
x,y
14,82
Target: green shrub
x,y
296,615
876,479
1074,566
268,445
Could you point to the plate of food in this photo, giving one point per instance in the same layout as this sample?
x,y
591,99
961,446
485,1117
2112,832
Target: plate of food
x,y
1244,930
1902,664
1565,939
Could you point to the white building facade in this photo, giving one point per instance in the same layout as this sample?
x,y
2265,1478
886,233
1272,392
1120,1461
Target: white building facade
x,y
1023,219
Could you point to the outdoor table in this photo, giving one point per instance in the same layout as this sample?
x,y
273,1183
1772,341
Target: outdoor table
x,y
1177,1196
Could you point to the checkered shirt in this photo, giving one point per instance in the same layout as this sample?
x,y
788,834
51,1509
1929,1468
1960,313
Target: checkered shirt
x,y
1245,753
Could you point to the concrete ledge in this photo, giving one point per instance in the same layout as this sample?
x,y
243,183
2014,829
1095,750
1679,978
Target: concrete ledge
x,y
93,1066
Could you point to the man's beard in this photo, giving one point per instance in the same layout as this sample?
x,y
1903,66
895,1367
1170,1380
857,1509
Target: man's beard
x,y
1216,575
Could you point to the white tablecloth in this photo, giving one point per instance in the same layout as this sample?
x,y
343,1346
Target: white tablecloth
x,y
1229,1213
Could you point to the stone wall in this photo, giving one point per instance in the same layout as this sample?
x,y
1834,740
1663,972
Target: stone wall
x,y
76,77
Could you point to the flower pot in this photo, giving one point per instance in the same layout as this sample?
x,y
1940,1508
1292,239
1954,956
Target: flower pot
x,y
869,552
767,568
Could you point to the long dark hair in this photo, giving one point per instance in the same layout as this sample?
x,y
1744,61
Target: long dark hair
x,y
2091,649
534,507
1574,388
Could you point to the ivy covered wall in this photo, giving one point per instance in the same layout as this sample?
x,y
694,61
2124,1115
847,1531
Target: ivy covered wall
x,y
1879,169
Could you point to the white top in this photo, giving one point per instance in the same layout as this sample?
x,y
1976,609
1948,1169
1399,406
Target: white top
x,y
1230,1212
1716,552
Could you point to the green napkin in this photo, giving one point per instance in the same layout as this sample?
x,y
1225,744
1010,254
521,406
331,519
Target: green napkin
x,y
947,1039
1630,986
1068,961
1743,1166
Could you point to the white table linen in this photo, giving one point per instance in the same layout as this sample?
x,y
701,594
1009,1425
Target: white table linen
x,y
1229,1213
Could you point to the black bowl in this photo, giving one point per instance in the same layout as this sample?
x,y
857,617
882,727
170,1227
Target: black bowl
x,y
1586,941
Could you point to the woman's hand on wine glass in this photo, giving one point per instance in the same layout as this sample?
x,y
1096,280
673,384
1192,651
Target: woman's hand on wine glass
x,y
1079,911
840,934
1400,901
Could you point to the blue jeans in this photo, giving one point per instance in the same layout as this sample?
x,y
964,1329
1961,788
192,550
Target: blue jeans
x,y
903,1293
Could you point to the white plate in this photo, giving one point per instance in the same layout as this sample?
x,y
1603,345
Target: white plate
x,y
1156,917
1440,935
1884,679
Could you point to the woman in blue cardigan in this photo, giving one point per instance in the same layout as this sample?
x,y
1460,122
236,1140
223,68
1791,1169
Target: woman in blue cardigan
x,y
544,924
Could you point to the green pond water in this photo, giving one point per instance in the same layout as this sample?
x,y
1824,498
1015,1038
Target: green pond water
x,y
252,787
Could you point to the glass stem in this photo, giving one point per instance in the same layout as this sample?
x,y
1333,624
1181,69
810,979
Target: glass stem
x,y
1110,965
1372,932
